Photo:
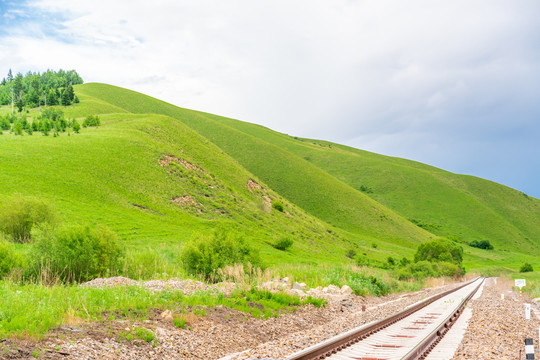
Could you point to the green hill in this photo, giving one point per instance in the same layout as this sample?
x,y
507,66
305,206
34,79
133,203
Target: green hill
x,y
159,175
458,206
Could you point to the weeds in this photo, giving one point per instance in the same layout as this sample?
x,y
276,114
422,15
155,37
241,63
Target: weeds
x,y
179,322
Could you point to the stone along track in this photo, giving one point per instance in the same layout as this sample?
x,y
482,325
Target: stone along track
x,y
408,335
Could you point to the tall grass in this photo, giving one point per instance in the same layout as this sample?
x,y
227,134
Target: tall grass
x,y
31,310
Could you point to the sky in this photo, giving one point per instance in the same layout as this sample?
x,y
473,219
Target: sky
x,y
454,84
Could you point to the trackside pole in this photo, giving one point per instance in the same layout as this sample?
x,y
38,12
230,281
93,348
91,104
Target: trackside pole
x,y
529,349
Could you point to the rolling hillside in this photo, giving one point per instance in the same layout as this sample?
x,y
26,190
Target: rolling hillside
x,y
160,175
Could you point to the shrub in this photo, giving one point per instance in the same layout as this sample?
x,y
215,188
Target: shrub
x,y
366,189
208,254
449,269
391,261
404,261
144,264
76,253
18,215
439,250
482,244
277,205
284,243
75,126
526,267
423,269
91,120
351,253
361,284
9,258
362,261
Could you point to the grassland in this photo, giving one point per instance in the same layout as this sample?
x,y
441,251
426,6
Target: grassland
x,y
160,176
320,177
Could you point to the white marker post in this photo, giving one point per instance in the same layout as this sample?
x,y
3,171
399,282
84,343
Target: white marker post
x,y
520,283
529,349
527,311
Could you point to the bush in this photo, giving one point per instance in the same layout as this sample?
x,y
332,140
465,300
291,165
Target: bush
x,y
439,250
277,205
482,244
76,253
526,267
91,120
18,215
9,258
362,261
404,262
361,284
351,253
284,243
206,255
423,269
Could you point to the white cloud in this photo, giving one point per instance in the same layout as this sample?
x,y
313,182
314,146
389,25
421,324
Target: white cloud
x,y
395,77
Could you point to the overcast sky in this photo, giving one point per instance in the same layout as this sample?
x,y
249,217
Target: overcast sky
x,y
455,84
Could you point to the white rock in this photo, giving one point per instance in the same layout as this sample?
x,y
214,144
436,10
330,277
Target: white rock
x,y
333,289
299,286
346,290
296,292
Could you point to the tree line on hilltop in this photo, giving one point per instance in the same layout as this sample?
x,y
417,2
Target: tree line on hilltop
x,y
35,89
50,120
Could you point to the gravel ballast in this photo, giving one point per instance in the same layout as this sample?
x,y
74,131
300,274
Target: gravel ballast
x,y
496,329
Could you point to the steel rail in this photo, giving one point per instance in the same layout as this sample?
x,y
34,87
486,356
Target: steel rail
x,y
425,346
340,342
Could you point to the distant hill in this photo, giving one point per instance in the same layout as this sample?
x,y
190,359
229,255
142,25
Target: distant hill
x,y
159,174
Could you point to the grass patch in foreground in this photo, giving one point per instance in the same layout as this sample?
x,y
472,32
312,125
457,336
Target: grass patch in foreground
x,y
33,310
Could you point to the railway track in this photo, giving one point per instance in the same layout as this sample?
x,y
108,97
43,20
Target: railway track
x,y
408,335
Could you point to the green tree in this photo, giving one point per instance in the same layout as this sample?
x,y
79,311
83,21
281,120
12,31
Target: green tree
x,y
65,98
18,128
4,123
75,126
70,93
18,85
19,104
52,99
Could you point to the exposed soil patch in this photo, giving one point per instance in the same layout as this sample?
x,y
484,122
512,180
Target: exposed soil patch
x,y
187,202
166,160
254,186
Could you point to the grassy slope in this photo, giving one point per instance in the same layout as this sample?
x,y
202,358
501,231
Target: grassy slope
x,y
321,178
448,204
107,175
291,176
